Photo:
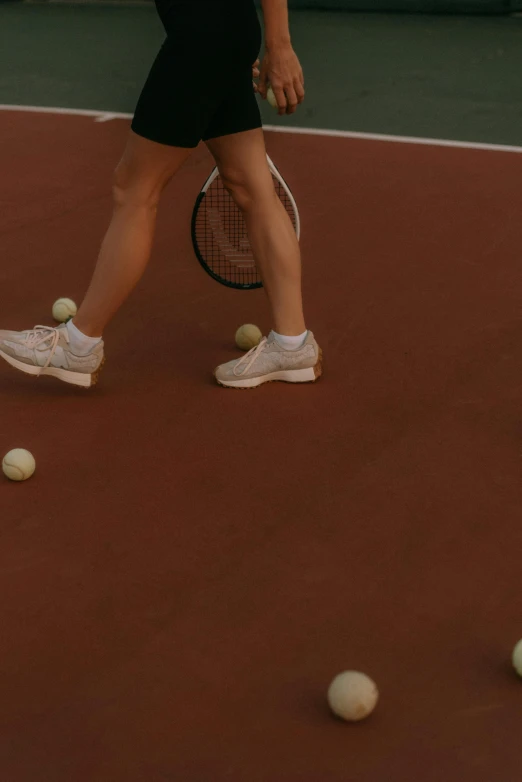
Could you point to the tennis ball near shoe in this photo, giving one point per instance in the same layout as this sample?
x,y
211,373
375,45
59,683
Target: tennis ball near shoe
x,y
18,464
271,98
248,336
352,696
64,310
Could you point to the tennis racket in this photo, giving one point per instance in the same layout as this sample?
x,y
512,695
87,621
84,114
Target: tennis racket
x,y
219,232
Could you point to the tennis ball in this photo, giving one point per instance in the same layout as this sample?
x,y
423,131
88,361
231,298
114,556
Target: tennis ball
x,y
517,658
18,464
248,336
352,696
64,310
271,98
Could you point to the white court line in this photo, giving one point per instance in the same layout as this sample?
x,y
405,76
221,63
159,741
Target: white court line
x,y
54,110
107,116
429,142
100,116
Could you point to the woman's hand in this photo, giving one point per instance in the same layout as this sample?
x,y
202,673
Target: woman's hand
x,y
255,74
282,70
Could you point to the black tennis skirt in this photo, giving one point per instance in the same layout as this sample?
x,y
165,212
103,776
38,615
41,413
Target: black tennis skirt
x,y
200,85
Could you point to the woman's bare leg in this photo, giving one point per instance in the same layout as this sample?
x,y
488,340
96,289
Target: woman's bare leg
x,y
242,163
144,170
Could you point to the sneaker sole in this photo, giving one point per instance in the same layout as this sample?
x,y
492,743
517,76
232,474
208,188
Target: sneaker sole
x,y
285,376
72,378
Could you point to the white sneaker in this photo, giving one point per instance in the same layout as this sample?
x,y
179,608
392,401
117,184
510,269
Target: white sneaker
x,y
269,361
46,351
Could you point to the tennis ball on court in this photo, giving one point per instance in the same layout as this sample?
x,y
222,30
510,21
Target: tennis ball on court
x,y
352,696
248,336
18,464
517,658
271,98
64,310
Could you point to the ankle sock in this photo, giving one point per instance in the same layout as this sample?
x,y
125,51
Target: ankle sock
x,y
80,344
290,343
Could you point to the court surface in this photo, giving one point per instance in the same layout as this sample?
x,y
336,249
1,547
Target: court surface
x,y
190,566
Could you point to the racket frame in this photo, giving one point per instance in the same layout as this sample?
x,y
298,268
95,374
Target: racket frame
x,y
213,176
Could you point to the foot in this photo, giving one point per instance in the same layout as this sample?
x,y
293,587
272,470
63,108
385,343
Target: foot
x,y
269,361
46,351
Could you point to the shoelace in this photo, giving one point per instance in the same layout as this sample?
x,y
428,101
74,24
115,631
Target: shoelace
x,y
40,335
252,355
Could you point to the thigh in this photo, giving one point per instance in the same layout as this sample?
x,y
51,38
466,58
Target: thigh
x,y
177,100
241,160
238,110
210,47
146,167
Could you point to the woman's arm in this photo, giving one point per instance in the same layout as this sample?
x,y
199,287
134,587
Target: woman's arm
x,y
280,67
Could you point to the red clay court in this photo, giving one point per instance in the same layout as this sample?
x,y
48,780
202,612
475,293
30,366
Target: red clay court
x,y
190,566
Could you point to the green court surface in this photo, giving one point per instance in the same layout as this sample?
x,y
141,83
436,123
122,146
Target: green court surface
x,y
431,76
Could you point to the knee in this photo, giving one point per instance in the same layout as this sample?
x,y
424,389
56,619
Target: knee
x,y
237,186
246,191
130,189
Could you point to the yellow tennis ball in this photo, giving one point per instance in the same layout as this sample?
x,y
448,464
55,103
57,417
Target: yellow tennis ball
x,y
18,464
248,336
352,696
63,309
517,658
271,98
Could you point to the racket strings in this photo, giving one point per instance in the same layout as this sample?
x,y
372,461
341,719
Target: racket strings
x,y
222,239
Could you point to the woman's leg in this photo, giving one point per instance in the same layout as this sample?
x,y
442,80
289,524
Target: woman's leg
x,y
144,170
241,159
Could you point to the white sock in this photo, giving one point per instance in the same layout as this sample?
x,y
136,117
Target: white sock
x,y
290,343
80,344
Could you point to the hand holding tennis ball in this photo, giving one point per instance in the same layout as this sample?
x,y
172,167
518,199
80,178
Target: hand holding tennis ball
x,y
271,98
281,79
256,73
